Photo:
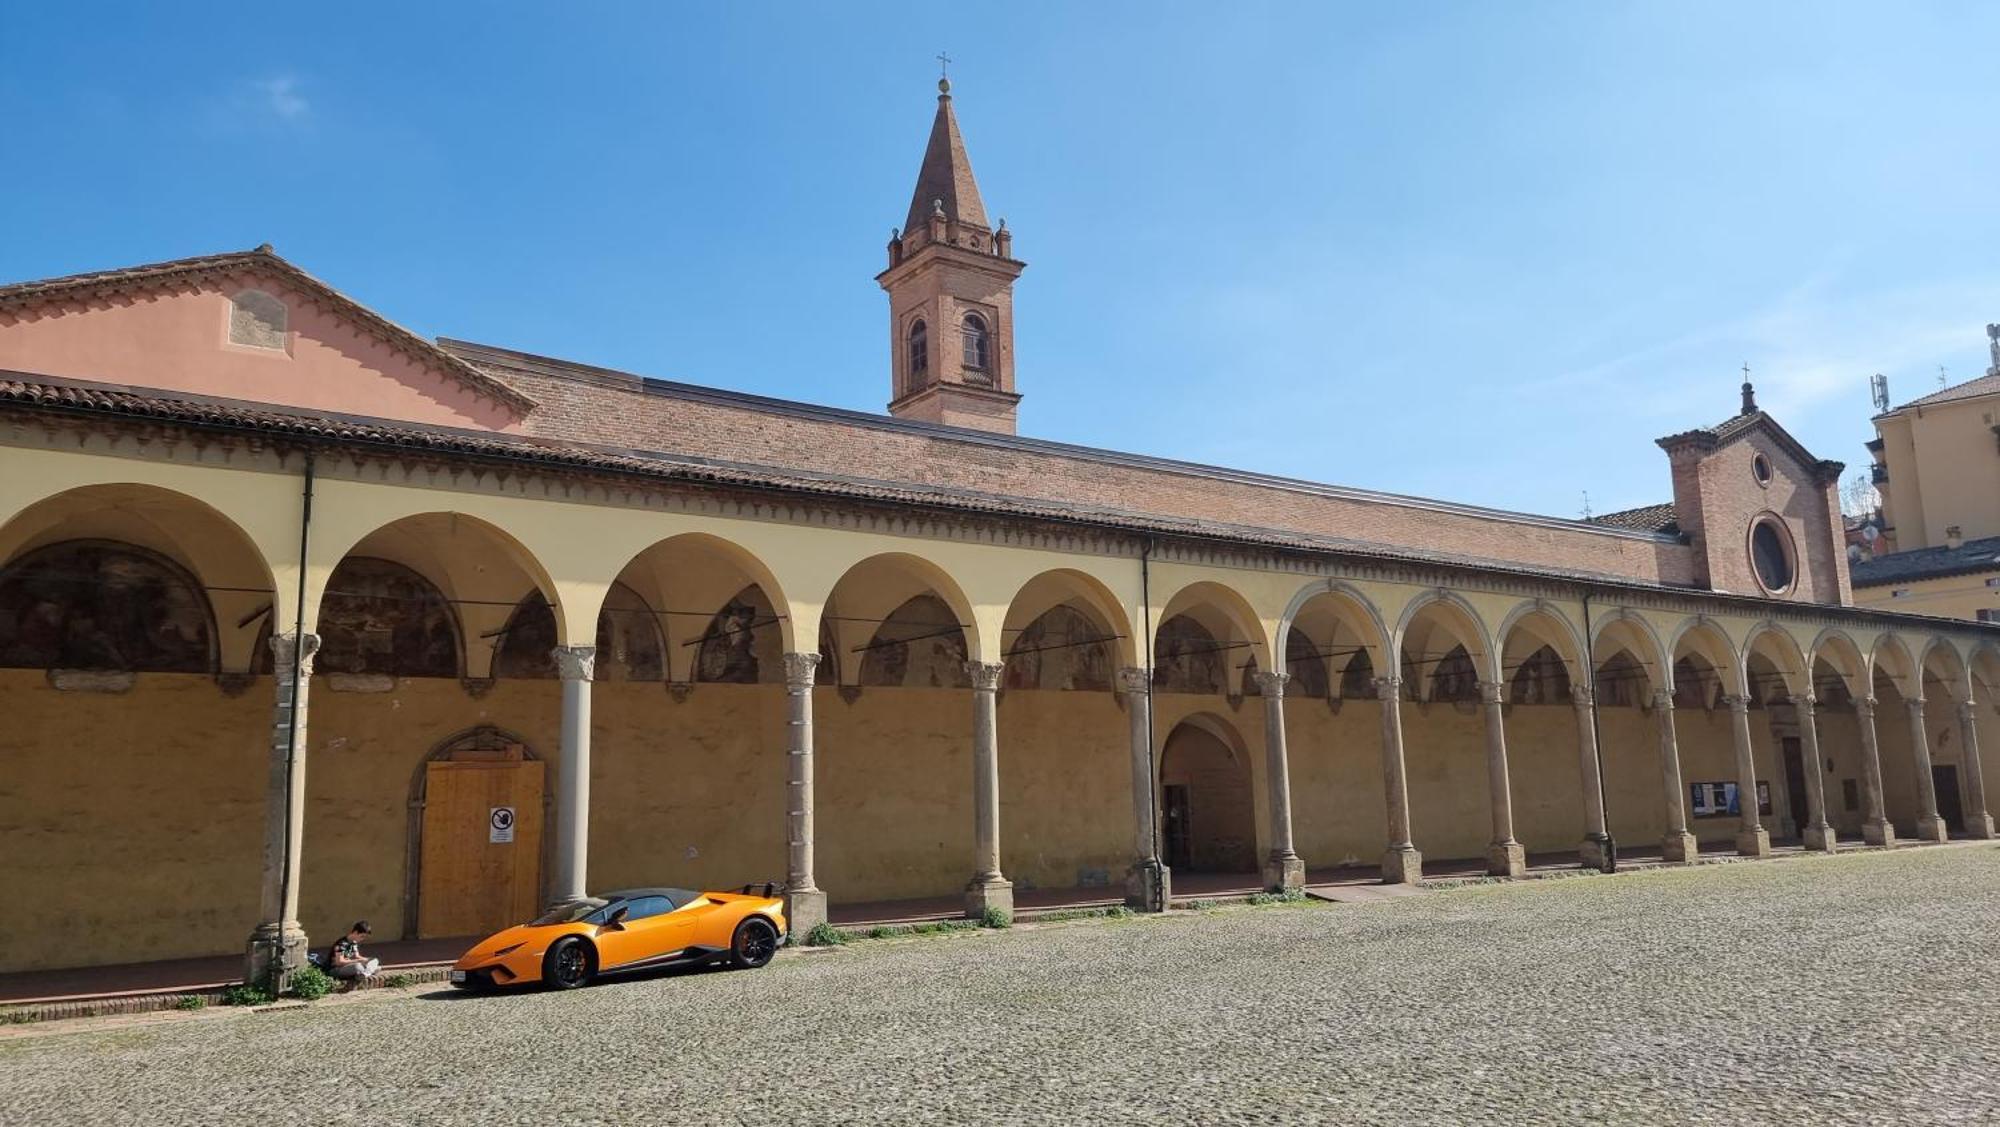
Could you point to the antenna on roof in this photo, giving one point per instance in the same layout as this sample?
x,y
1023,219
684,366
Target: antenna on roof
x,y
1941,379
1878,390
1586,504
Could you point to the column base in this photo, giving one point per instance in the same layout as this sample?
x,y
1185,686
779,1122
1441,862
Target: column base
x,y
1595,853
1403,866
274,950
1680,848
1753,843
1820,839
1506,859
1931,828
1284,871
1880,834
1979,826
989,893
1149,887
805,909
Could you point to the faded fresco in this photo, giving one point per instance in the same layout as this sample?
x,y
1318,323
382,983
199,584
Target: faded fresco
x,y
1186,658
102,605
742,645
1306,664
920,645
629,647
1542,678
1062,649
381,617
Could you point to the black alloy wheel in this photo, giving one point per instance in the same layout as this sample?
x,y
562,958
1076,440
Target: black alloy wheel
x,y
568,964
755,943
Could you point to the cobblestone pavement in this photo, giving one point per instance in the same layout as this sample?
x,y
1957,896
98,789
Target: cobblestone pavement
x,y
1852,989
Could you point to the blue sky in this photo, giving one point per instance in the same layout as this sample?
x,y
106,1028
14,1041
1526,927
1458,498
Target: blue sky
x,y
1486,252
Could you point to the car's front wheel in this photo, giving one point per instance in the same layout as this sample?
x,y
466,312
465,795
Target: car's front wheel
x,y
568,964
755,943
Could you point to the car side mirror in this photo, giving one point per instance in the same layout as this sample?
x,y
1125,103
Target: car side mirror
x,y
617,920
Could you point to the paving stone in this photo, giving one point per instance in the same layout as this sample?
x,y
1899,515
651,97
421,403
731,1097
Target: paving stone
x,y
1852,989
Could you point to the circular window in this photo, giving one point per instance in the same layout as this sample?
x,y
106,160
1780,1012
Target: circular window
x,y
1761,466
1771,556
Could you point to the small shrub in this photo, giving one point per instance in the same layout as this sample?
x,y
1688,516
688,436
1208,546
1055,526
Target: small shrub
x,y
19,1017
880,932
824,934
244,994
191,1002
1204,905
995,916
397,981
1118,912
311,983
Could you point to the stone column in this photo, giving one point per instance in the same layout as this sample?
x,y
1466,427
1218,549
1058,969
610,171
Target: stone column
x,y
278,945
1505,857
1401,863
1148,884
987,889
1978,823
1875,829
1752,839
1595,852
576,665
805,904
1930,827
1816,828
1678,845
1282,868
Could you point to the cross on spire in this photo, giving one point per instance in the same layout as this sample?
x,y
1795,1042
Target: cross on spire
x,y
944,65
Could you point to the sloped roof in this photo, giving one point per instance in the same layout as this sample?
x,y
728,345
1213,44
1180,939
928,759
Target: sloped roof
x,y
1988,384
1737,426
186,271
1928,563
1645,518
946,175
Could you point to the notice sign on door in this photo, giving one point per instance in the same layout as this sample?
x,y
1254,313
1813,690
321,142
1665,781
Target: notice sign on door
x,y
500,825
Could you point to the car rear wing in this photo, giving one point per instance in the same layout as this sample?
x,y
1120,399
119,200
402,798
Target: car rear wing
x,y
768,890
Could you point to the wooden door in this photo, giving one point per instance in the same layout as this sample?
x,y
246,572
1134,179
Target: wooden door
x,y
482,847
1179,856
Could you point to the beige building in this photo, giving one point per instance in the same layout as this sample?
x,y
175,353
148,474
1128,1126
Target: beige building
x,y
1937,467
683,635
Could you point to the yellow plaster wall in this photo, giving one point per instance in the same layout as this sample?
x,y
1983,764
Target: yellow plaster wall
x,y
1065,789
133,822
1339,813
366,749
893,790
1954,596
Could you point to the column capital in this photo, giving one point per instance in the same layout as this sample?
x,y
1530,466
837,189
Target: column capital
x,y
1866,705
1492,692
1272,682
1966,711
1913,704
576,663
1805,702
1582,697
985,675
1388,688
1737,702
1663,700
801,670
1135,680
289,649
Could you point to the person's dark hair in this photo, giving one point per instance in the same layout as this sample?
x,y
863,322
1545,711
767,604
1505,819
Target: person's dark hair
x,y
362,927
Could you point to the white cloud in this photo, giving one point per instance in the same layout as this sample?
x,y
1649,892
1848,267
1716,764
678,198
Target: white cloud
x,y
280,96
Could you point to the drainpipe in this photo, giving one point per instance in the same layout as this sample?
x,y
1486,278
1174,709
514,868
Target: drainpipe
x,y
292,716
1597,734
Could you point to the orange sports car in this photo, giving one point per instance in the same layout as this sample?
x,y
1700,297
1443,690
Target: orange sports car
x,y
633,929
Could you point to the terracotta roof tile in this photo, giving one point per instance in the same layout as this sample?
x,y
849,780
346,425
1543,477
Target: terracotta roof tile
x,y
1645,518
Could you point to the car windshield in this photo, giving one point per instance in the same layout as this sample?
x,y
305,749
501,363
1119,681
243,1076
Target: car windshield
x,y
568,913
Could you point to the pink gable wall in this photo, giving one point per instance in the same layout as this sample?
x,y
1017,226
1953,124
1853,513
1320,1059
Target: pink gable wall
x,y
179,341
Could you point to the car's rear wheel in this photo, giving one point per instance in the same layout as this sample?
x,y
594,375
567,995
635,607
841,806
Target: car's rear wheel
x,y
755,943
569,964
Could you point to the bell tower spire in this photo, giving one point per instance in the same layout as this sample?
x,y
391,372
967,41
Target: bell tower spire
x,y
950,283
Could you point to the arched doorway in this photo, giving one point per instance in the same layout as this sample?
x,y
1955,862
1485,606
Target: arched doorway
x,y
1206,799
478,805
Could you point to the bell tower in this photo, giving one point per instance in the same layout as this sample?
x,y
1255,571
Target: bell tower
x,y
950,283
